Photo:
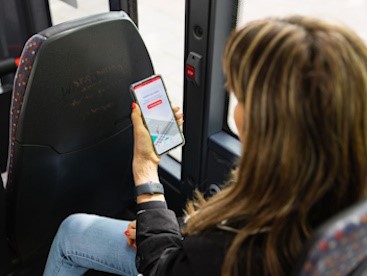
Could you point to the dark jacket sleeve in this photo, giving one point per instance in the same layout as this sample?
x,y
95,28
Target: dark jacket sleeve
x,y
159,243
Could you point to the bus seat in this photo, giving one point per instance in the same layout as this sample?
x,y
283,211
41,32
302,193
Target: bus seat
x,y
339,247
71,135
8,67
6,256
5,99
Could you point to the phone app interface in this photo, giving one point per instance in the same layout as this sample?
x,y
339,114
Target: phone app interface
x,y
158,114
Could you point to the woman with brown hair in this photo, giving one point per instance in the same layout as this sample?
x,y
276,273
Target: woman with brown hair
x,y
301,86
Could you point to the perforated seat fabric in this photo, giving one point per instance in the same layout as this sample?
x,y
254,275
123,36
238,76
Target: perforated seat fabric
x,y
340,246
20,84
71,134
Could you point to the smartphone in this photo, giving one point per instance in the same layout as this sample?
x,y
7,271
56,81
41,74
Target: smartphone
x,y
151,95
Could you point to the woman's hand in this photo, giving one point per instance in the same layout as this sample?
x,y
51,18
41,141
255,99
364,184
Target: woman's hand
x,y
178,115
130,234
145,160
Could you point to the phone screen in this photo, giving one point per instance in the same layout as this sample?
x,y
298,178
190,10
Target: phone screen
x,y
157,113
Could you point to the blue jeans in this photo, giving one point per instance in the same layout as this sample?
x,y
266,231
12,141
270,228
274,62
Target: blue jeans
x,y
90,242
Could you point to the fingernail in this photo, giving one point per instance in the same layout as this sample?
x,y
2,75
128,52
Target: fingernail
x,y
133,105
127,232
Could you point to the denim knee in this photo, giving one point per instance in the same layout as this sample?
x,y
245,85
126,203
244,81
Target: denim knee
x,y
70,229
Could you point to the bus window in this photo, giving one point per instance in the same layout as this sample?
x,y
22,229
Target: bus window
x,y
62,11
349,12
162,26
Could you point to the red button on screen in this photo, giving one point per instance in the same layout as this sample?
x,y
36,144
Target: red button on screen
x,y
150,106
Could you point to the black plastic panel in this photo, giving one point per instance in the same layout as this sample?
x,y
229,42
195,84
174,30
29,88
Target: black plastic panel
x,y
128,6
67,99
5,253
19,20
208,24
74,142
5,99
51,186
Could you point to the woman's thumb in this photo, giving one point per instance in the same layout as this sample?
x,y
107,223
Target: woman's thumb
x,y
136,115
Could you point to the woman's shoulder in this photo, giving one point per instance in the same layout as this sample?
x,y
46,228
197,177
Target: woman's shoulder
x,y
216,239
211,237
206,251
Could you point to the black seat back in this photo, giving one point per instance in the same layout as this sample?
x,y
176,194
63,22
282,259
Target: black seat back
x,y
71,135
5,99
5,252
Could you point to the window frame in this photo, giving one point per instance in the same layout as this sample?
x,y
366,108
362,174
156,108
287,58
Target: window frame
x,y
205,107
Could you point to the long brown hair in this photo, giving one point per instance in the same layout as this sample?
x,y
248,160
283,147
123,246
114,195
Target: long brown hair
x,y
303,85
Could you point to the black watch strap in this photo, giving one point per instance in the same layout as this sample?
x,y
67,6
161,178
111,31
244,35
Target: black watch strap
x,y
149,188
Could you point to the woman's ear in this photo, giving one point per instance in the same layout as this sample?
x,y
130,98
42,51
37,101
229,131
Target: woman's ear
x,y
238,118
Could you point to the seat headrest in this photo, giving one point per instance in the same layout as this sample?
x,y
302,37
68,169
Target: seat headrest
x,y
83,22
78,91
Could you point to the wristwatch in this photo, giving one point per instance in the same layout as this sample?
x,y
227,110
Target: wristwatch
x,y
149,188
